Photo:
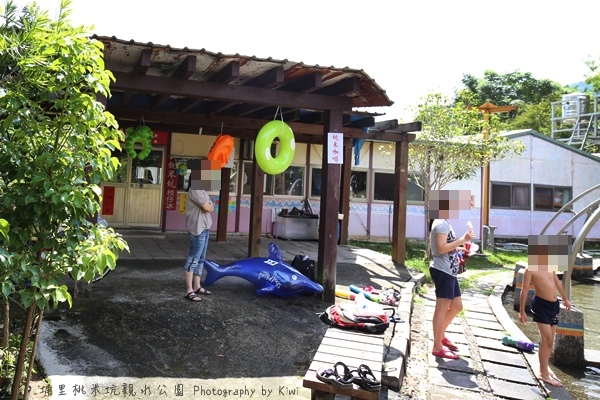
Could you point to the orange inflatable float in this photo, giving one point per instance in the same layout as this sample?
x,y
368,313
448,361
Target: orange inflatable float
x,y
221,149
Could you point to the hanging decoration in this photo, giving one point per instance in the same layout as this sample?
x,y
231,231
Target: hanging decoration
x,y
221,149
143,135
181,168
262,148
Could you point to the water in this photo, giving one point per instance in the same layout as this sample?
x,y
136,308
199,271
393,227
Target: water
x,y
581,384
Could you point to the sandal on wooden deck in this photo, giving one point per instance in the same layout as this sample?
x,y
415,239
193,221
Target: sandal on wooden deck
x,y
366,379
331,376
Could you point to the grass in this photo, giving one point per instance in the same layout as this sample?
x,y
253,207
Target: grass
x,y
491,263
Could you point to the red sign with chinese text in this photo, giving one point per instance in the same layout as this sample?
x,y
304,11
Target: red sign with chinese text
x,y
170,195
108,200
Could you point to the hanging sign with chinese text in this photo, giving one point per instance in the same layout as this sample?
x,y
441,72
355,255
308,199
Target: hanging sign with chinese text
x,y
335,153
171,185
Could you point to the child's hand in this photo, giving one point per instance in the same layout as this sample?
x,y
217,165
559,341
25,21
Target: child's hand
x,y
469,235
567,304
523,317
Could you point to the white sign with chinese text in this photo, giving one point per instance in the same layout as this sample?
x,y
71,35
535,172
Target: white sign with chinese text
x,y
335,153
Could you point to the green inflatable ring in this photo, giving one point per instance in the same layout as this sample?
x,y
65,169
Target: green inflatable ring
x,y
143,135
262,148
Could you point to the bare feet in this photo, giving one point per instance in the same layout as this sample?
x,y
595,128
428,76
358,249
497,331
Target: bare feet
x,y
551,380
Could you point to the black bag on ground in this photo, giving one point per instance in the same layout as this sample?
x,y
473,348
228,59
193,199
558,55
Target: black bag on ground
x,y
305,266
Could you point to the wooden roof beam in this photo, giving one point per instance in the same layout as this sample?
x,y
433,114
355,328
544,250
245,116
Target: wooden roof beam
x,y
143,63
141,67
190,123
306,84
186,69
342,88
183,71
269,79
228,73
218,91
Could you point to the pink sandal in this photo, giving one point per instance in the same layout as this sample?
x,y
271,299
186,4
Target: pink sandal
x,y
445,353
446,342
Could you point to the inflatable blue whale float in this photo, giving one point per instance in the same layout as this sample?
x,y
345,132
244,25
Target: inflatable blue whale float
x,y
270,275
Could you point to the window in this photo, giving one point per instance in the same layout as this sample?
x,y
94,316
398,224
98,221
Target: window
x,y
289,183
551,198
385,183
510,195
358,183
120,175
315,182
183,181
383,188
414,192
247,179
233,177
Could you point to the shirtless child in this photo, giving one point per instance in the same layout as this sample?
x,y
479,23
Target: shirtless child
x,y
545,307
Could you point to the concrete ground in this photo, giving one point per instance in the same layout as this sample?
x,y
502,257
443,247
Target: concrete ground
x,y
138,337
138,334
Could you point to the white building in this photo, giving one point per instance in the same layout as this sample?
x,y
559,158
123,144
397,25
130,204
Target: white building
x,y
527,190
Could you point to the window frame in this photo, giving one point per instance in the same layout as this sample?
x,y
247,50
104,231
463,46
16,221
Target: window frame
x,y
374,174
511,185
554,189
303,179
233,182
412,175
367,184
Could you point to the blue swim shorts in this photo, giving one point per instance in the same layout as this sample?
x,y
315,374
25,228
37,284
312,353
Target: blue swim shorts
x,y
544,311
446,286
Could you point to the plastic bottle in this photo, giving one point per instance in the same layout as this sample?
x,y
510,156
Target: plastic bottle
x,y
520,344
467,245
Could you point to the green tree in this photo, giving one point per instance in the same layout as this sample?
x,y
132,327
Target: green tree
x,y
593,76
454,142
532,97
56,141
531,116
505,89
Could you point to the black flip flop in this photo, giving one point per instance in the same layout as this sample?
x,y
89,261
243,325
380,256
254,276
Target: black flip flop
x,y
366,379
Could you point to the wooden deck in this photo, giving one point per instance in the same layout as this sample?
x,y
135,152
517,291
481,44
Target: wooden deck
x,y
353,349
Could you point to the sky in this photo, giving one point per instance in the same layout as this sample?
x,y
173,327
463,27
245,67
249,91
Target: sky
x,y
409,47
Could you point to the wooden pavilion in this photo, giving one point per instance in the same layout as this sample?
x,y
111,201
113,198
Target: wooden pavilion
x,y
184,90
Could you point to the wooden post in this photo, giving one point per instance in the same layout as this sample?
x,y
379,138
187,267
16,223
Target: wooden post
x,y
328,218
345,191
223,205
400,200
256,207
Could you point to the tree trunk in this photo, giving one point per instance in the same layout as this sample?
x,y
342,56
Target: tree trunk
x,y
16,385
36,335
6,328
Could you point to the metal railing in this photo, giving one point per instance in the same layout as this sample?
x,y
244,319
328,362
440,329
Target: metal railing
x,y
593,214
